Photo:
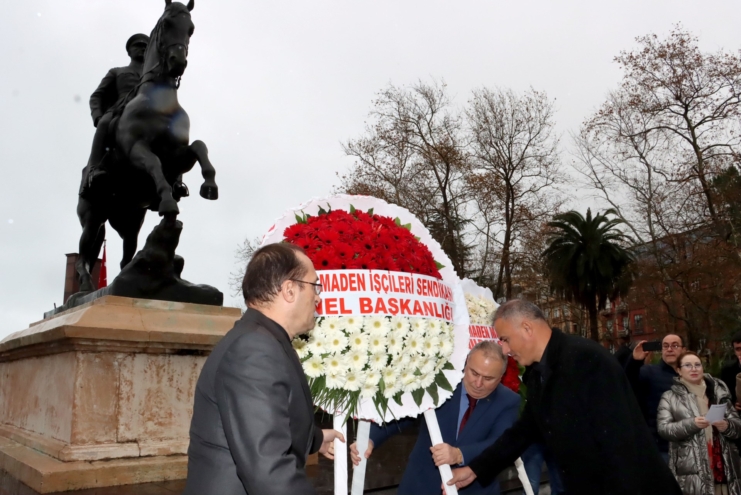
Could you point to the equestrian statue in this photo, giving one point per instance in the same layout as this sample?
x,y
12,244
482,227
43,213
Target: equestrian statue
x,y
141,147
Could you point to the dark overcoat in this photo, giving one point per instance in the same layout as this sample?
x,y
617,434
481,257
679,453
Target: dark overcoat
x,y
253,418
581,406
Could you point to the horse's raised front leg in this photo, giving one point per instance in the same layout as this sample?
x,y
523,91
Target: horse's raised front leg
x,y
143,157
93,233
209,189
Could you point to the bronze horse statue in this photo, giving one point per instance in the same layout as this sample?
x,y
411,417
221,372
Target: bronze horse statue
x,y
149,149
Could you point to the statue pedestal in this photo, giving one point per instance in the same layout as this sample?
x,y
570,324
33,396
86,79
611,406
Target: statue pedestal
x,y
102,394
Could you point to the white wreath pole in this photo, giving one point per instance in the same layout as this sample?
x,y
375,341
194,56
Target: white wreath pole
x,y
523,476
445,472
358,475
340,456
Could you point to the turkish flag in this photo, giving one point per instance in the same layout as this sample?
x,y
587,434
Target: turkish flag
x,y
103,276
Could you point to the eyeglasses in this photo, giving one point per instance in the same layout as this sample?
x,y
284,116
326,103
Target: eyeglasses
x,y
692,366
317,286
671,346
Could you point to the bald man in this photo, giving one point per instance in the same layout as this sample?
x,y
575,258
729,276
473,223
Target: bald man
x,y
581,406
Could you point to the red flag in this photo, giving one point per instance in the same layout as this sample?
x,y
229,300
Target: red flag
x,y
103,276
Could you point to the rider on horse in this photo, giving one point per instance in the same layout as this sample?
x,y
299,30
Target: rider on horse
x,y
107,102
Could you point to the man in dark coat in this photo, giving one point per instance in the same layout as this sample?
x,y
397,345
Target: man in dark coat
x,y
650,381
493,409
732,368
253,418
580,405
728,374
624,353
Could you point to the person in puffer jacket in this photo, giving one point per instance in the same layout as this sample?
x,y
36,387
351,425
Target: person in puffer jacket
x,y
702,456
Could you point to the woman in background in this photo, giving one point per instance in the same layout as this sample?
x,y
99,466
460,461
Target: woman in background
x,y
701,456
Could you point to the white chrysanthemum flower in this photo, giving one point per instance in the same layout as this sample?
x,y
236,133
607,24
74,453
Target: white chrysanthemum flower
x,y
377,344
392,390
377,325
352,382
431,345
357,359
301,347
395,343
399,324
368,390
418,325
446,347
317,344
440,364
414,344
427,366
358,341
378,361
313,367
335,380
352,324
415,362
389,376
372,376
434,326
406,376
336,342
335,365
402,361
426,380
411,386
480,309
331,324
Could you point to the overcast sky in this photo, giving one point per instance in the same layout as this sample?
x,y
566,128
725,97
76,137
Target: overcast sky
x,y
273,88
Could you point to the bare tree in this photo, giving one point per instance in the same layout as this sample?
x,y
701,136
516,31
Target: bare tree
x,y
515,163
412,155
653,150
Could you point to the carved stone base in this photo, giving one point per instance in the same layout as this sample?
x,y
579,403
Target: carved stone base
x,y
104,388
46,474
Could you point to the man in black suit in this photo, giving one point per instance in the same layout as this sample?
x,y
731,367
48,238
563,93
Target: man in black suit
x,y
581,406
253,418
733,368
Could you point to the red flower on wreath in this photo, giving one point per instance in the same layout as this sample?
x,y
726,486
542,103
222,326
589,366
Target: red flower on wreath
x,y
339,240
511,378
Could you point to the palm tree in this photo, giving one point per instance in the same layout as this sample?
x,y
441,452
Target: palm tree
x,y
587,261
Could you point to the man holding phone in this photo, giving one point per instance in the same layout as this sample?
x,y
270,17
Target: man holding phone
x,y
650,381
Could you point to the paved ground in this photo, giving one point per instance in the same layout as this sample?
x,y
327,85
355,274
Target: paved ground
x,y
323,483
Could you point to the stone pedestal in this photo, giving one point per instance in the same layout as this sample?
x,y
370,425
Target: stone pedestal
x,y
102,394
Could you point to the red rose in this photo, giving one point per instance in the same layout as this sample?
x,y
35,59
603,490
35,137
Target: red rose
x,y
340,240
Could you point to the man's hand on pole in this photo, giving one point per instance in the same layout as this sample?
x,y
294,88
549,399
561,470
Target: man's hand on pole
x,y
327,448
462,477
355,455
443,453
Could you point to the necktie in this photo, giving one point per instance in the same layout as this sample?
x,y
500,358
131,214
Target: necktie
x,y
471,405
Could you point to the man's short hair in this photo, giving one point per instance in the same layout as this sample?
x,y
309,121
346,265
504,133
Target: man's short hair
x,y
736,339
519,308
681,339
268,268
491,349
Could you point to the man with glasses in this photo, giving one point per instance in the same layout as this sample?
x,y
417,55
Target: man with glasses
x,y
253,418
650,381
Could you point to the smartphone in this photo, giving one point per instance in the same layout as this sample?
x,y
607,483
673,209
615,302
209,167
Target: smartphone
x,y
652,346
